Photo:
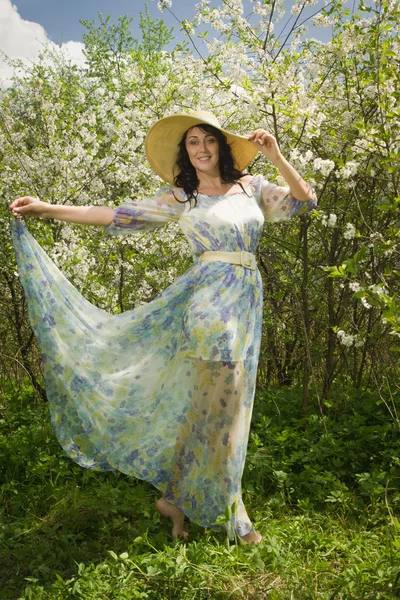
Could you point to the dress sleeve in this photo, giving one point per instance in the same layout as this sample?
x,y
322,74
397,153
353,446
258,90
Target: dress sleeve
x,y
277,203
142,215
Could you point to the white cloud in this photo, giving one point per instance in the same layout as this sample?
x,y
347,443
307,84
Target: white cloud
x,y
20,39
75,51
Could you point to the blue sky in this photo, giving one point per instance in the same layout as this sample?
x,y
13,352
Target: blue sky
x,y
61,19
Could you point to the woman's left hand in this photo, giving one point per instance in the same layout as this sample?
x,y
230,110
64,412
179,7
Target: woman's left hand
x,y
266,143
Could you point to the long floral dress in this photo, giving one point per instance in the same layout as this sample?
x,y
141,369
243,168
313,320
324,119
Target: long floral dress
x,y
163,392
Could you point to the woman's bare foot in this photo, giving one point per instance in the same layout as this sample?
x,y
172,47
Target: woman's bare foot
x,y
166,509
253,537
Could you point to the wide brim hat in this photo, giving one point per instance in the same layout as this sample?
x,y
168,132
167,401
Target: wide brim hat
x,y
162,141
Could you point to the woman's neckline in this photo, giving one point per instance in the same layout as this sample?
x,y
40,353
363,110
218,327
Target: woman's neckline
x,y
243,191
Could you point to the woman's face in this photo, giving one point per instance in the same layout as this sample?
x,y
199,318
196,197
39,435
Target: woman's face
x,y
203,150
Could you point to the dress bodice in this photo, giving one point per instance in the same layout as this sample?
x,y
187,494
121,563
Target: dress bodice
x,y
230,222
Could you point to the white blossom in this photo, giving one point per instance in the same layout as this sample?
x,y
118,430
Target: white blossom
x,y
355,286
81,97
389,251
365,302
348,340
377,288
329,221
324,166
162,4
308,156
350,231
349,169
332,220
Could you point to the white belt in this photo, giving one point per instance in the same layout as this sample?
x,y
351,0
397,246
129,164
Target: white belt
x,y
245,259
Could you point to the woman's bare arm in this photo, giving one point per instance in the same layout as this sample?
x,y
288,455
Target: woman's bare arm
x,y
268,145
86,215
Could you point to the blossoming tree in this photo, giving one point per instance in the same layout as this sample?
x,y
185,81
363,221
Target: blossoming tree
x,y
75,135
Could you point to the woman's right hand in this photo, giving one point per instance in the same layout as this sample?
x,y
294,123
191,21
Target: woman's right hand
x,y
28,206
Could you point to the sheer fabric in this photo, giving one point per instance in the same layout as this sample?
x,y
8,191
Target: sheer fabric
x,y
163,392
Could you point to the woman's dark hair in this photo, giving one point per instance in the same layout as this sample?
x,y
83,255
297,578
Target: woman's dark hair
x,y
187,178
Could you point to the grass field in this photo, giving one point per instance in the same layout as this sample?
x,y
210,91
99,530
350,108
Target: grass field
x,y
326,502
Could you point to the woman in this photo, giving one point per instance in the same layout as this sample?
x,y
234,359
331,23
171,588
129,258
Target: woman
x,y
165,392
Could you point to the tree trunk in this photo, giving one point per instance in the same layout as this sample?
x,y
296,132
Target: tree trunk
x,y
23,345
332,321
306,313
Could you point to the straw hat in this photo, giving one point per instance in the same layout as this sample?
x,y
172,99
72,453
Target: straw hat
x,y
161,145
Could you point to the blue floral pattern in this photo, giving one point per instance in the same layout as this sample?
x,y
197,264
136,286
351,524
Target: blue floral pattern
x,y
163,392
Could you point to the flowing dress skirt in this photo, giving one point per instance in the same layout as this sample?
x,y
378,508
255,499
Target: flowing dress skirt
x,y
126,395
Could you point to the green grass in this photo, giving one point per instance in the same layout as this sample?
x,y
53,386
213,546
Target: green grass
x,y
326,504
